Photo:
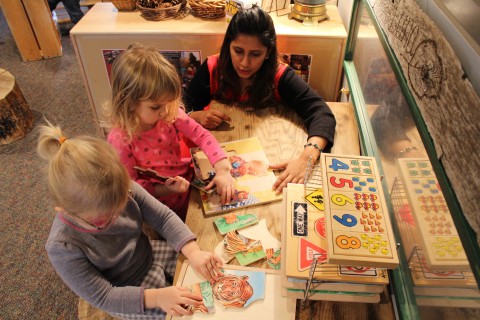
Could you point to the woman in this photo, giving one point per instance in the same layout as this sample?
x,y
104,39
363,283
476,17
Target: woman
x,y
247,72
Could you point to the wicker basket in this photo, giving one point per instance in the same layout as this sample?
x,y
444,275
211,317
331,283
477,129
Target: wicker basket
x,y
124,5
163,12
208,9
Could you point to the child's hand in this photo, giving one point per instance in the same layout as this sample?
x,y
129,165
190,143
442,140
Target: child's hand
x,y
172,185
225,186
177,185
206,264
173,300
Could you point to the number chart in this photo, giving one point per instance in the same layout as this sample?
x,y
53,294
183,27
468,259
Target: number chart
x,y
304,241
356,216
441,243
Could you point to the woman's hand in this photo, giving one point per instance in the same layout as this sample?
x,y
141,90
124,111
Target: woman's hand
x,y
224,181
210,119
294,172
173,300
176,184
205,263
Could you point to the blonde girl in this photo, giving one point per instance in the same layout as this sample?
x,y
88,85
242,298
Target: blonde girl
x,y
96,243
148,121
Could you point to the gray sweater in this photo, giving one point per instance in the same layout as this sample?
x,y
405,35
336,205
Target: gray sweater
x,y
106,267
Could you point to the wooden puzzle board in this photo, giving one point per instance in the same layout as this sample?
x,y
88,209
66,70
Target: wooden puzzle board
x,y
253,179
332,296
274,306
356,215
447,302
439,237
423,275
447,292
305,235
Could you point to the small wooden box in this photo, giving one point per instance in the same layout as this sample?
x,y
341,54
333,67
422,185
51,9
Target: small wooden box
x,y
33,29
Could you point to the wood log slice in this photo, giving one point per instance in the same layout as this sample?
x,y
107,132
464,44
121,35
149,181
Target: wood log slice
x,y
16,119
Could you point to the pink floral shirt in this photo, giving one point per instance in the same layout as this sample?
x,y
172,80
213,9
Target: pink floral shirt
x,y
159,149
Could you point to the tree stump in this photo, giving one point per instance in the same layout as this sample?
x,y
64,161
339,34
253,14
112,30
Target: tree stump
x,y
16,119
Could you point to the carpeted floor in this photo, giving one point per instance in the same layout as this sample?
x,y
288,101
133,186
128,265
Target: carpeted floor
x,y
29,287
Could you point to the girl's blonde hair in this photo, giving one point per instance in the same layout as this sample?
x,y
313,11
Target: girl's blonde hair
x,y
84,174
140,74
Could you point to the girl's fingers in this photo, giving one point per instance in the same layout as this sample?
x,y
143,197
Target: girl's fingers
x,y
179,310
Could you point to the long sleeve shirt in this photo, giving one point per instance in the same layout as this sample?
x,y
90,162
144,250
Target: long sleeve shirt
x,y
106,267
159,148
294,92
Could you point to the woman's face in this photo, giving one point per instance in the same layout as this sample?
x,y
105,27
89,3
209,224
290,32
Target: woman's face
x,y
248,54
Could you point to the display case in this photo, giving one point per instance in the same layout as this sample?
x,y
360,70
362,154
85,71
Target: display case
x,y
104,31
416,111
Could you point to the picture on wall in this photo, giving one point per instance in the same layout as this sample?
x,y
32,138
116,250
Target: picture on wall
x,y
301,63
186,62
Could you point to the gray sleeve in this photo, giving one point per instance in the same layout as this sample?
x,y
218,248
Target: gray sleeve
x,y
162,219
86,281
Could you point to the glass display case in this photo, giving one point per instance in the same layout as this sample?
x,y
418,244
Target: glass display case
x,y
438,275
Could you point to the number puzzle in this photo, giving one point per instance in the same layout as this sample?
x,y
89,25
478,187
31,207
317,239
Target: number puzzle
x,y
356,216
441,244
305,238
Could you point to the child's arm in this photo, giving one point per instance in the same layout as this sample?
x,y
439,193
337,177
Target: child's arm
x,y
214,152
173,300
120,142
176,184
205,263
223,180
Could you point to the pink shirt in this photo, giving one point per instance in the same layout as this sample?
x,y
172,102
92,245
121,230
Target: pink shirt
x,y
159,148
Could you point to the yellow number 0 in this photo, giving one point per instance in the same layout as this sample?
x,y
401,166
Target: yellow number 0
x,y
345,242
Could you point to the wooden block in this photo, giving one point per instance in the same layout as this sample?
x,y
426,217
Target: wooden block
x,y
43,27
16,119
22,32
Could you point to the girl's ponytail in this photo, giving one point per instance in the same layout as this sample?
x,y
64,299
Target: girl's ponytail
x,y
50,140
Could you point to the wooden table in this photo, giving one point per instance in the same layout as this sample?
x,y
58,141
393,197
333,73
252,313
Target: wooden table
x,y
283,136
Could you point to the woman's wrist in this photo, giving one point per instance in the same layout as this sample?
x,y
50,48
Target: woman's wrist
x,y
314,147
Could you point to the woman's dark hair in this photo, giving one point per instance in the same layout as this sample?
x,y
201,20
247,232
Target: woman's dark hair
x,y
253,22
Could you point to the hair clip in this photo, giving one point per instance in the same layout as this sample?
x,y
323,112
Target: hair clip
x,y
62,139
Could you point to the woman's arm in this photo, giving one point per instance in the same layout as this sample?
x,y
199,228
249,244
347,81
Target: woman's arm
x,y
316,114
318,119
197,96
